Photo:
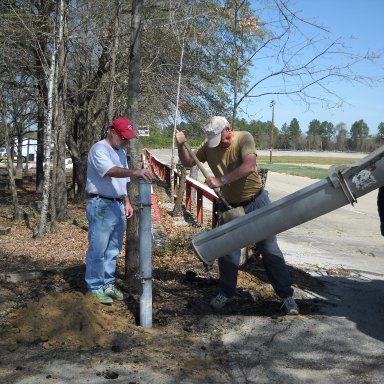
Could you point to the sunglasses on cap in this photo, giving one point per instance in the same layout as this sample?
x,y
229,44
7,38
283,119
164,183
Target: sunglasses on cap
x,y
121,137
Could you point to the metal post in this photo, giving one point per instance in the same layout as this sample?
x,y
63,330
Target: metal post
x,y
272,129
145,253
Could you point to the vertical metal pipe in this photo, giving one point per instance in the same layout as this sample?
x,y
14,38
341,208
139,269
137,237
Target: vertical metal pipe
x,y
145,253
272,128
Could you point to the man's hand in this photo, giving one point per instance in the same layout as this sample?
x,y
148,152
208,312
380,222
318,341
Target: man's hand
x,y
144,173
180,138
213,182
128,209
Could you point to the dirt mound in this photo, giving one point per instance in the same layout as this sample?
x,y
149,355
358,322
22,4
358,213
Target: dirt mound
x,y
71,320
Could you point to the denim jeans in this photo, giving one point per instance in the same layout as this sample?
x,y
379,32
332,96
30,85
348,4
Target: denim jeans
x,y
106,223
273,260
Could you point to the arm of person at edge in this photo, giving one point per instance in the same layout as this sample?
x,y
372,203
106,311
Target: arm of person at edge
x,y
380,208
247,166
126,172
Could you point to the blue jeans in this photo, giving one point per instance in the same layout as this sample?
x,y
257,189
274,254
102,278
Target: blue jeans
x,y
106,224
273,260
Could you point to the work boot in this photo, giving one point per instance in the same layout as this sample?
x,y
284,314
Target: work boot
x,y
219,301
115,293
101,296
291,308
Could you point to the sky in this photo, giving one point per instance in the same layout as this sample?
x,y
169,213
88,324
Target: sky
x,y
360,23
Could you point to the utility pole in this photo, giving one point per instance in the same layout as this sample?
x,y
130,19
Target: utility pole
x,y
272,129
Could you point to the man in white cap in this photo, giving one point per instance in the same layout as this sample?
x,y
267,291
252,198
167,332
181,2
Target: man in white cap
x,y
108,208
232,159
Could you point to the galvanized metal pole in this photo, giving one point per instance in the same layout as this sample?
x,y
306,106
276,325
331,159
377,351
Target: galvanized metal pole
x,y
145,253
272,129
343,186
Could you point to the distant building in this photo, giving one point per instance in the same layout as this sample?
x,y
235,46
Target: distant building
x,y
143,130
29,149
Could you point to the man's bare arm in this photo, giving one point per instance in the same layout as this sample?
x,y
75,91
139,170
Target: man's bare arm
x,y
125,172
247,167
184,156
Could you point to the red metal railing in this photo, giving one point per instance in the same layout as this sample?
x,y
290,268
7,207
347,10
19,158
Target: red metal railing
x,y
202,191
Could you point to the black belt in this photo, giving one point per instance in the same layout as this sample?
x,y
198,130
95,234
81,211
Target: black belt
x,y
244,203
120,199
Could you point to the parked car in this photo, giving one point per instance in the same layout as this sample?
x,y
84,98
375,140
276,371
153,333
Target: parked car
x,y
3,155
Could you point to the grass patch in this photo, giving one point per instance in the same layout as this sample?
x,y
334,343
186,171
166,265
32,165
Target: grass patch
x,y
305,160
297,170
302,165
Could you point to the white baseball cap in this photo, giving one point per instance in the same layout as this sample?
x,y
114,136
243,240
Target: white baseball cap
x,y
213,130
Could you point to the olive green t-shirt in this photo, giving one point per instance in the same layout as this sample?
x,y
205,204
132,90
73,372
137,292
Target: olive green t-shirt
x,y
224,160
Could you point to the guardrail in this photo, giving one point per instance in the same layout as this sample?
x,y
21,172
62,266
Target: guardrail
x,y
163,171
201,190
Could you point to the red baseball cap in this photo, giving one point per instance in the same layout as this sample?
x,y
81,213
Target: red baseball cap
x,y
124,127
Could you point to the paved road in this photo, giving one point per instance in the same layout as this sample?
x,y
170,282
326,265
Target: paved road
x,y
165,154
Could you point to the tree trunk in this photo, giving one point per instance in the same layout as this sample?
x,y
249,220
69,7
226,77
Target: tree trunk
x,y
115,49
27,157
175,123
19,165
235,79
132,245
177,209
61,196
47,143
79,161
53,182
40,146
194,173
12,184
61,182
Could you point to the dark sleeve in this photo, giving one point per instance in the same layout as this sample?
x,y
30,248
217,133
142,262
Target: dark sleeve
x,y
380,207
380,203
200,153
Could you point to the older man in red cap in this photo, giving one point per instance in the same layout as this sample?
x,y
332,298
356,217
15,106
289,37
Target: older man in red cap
x,y
108,208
